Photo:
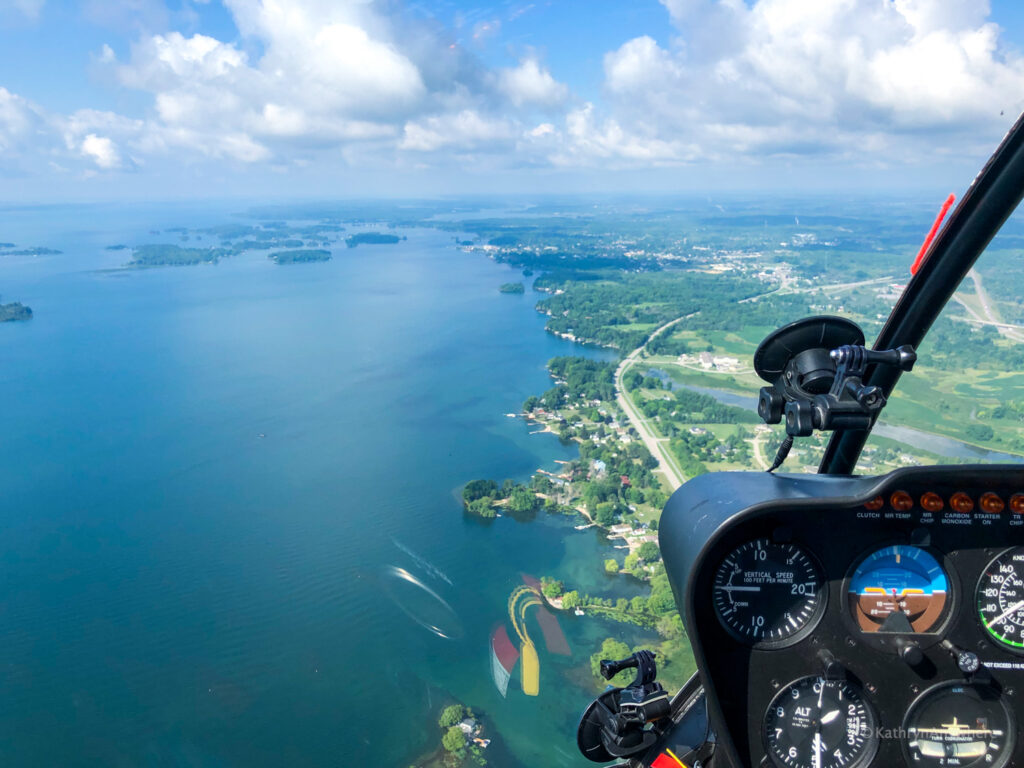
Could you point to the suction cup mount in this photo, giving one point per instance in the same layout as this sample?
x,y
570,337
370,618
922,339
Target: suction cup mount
x,y
796,361
614,725
815,369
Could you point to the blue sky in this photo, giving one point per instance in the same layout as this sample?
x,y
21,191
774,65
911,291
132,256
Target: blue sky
x,y
141,98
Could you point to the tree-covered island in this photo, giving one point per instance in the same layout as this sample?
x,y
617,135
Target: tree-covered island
x,y
462,740
302,256
34,251
167,255
14,312
372,238
512,288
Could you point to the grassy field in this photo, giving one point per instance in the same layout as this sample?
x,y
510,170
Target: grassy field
x,y
939,401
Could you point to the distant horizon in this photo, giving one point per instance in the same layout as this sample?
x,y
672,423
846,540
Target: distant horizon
x,y
917,195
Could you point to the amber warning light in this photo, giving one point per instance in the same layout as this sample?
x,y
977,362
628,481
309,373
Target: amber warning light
x,y
901,501
991,503
961,502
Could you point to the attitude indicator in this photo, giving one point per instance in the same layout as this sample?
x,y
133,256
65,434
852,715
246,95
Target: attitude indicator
x,y
899,588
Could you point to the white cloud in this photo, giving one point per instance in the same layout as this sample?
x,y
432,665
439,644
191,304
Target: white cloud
x,y
794,77
23,133
330,73
102,151
28,8
356,83
466,130
589,139
529,83
17,117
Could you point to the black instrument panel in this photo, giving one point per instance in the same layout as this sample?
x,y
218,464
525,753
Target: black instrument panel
x,y
856,622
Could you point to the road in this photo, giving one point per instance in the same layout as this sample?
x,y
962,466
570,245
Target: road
x,y
759,457
990,311
786,288
658,446
988,315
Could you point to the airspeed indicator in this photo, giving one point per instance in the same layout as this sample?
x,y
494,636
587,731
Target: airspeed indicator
x,y
1001,599
768,594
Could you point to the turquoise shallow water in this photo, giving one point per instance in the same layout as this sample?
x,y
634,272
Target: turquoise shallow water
x,y
207,472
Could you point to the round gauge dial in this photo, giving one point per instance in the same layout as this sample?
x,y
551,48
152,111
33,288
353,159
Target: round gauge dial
x,y
765,593
899,588
959,724
819,723
1001,599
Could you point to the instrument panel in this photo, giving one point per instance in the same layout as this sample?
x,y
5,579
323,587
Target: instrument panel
x,y
849,622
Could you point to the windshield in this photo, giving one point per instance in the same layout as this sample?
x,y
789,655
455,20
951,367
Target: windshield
x,y
348,356
967,385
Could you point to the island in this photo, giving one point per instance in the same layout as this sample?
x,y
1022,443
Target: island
x,y
300,256
6,245
462,740
13,312
116,247
512,288
371,238
34,251
166,255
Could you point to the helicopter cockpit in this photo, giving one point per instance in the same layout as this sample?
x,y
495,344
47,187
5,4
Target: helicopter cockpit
x,y
841,620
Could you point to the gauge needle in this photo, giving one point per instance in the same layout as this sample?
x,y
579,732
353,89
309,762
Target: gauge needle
x,y
740,589
817,750
1007,612
829,717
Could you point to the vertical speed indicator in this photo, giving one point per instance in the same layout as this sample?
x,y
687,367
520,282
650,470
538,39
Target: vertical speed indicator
x,y
768,594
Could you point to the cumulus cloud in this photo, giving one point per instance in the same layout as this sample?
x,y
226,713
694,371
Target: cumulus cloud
x,y
102,150
529,83
465,130
23,127
796,77
329,74
356,82
16,119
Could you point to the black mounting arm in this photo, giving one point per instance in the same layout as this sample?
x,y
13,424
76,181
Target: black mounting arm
x,y
992,197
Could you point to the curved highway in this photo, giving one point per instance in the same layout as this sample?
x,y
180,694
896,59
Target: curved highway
x,y
658,446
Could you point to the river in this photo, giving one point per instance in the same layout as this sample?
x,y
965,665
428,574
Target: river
x,y
917,438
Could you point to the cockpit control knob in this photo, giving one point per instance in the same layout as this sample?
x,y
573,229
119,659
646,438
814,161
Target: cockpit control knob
x,y
967,661
910,652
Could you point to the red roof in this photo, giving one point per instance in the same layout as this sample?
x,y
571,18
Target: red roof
x,y
625,479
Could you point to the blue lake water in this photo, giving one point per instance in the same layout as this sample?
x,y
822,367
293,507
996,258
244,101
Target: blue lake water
x,y
207,473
